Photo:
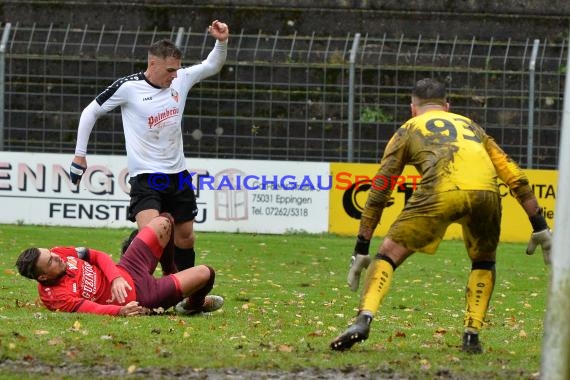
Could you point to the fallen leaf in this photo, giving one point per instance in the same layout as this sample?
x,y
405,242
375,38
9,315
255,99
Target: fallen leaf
x,y
454,359
425,364
120,345
439,332
285,348
19,336
163,352
71,354
55,341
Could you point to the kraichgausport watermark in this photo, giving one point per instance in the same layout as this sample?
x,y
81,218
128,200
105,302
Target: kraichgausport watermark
x,y
341,181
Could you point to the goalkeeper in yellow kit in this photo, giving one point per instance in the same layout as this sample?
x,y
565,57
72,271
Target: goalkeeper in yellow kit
x,y
459,164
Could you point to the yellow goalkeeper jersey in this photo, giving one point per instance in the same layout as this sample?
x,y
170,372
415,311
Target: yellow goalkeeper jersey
x,y
450,152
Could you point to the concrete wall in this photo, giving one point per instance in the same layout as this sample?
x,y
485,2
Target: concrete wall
x,y
482,19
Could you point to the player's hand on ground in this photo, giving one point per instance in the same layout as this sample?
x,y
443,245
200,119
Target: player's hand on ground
x,y
132,308
77,169
542,238
119,290
219,30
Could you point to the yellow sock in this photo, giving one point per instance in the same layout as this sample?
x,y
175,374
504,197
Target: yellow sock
x,y
378,279
477,296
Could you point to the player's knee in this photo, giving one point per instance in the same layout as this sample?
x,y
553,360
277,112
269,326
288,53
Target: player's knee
x,y
381,256
184,240
166,218
206,273
164,224
212,272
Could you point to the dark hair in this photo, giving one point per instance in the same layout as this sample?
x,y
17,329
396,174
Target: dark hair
x,y
429,90
164,49
27,261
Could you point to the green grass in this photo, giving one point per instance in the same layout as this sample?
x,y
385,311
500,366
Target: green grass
x,y
286,299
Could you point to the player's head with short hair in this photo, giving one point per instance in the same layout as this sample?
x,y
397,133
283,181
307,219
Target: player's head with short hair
x,y
164,61
42,265
27,263
428,92
164,49
429,89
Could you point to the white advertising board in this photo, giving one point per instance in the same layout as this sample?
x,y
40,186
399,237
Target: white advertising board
x,y
232,195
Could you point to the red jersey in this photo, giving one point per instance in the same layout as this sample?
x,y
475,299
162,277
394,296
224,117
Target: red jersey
x,y
86,285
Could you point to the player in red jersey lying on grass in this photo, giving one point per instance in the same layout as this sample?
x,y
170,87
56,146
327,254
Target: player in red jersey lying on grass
x,y
85,280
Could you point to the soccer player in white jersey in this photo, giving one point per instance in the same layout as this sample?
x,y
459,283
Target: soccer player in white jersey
x,y
152,104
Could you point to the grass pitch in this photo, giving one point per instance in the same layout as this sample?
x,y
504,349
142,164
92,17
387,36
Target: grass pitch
x,y
286,299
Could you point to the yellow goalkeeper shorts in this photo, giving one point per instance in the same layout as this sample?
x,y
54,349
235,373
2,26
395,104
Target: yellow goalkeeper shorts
x,y
425,218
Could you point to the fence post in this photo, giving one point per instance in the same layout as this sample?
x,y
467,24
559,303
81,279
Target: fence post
x,y
179,37
352,62
531,69
3,42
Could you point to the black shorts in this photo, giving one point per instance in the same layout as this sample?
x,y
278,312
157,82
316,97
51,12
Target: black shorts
x,y
168,194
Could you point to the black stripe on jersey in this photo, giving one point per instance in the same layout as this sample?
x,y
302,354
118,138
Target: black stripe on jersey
x,y
109,91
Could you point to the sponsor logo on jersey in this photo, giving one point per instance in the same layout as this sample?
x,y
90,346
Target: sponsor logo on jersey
x,y
154,121
89,282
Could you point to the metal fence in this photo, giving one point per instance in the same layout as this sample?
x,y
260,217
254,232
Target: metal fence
x,y
284,97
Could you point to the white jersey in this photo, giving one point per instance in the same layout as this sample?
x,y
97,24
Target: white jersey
x,y
152,116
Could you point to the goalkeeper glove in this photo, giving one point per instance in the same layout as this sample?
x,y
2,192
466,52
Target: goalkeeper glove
x,y
358,262
76,172
541,236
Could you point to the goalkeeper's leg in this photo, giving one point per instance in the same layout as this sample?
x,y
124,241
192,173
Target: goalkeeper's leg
x,y
377,283
477,295
378,279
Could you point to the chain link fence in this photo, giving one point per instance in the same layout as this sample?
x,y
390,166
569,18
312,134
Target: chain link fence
x,y
284,97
